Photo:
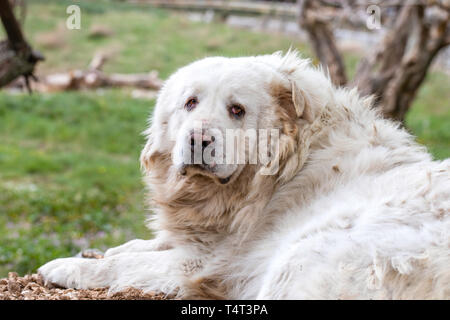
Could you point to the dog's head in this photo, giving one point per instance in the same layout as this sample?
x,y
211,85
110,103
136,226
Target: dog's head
x,y
217,116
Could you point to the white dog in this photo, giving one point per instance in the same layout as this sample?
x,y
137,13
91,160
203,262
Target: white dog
x,y
347,207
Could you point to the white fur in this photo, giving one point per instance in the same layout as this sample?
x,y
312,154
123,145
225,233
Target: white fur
x,y
365,214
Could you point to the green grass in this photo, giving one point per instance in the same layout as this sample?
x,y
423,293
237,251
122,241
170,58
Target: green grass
x,y
69,175
429,116
142,38
69,171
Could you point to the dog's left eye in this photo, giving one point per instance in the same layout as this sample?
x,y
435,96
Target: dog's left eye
x,y
191,104
236,110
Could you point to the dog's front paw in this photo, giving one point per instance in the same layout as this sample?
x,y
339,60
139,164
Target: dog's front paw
x,y
71,273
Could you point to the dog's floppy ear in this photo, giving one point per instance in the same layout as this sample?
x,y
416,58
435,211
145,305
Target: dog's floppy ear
x,y
294,108
301,103
151,152
301,94
147,151
300,86
293,101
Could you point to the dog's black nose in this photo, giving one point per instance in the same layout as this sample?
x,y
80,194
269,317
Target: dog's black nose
x,y
203,138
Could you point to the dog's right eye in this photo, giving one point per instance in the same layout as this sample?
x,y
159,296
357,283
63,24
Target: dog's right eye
x,y
191,104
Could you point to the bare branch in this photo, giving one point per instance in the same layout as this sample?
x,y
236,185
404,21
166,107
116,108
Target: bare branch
x,y
322,39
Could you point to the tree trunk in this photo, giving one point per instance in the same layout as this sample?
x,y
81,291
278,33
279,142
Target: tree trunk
x,y
322,40
16,56
398,66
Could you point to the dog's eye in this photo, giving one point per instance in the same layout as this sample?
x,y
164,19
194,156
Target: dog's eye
x,y
191,104
236,110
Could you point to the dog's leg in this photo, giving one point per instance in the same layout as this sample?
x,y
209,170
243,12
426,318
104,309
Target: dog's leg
x,y
139,245
151,271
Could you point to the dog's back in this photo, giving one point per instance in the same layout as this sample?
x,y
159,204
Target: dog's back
x,y
367,217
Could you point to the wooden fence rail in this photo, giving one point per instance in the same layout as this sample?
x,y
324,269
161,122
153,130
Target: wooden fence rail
x,y
227,7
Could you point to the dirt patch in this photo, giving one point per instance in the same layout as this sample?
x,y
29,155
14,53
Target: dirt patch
x,y
100,31
31,287
54,39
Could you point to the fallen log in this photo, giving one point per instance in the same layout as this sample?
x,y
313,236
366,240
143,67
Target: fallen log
x,y
93,78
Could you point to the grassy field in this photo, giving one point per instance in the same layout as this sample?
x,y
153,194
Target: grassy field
x,y
69,171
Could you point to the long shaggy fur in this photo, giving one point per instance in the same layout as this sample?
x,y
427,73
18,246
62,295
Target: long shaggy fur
x,y
357,209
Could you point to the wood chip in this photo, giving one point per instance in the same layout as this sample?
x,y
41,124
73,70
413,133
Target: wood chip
x,y
31,287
